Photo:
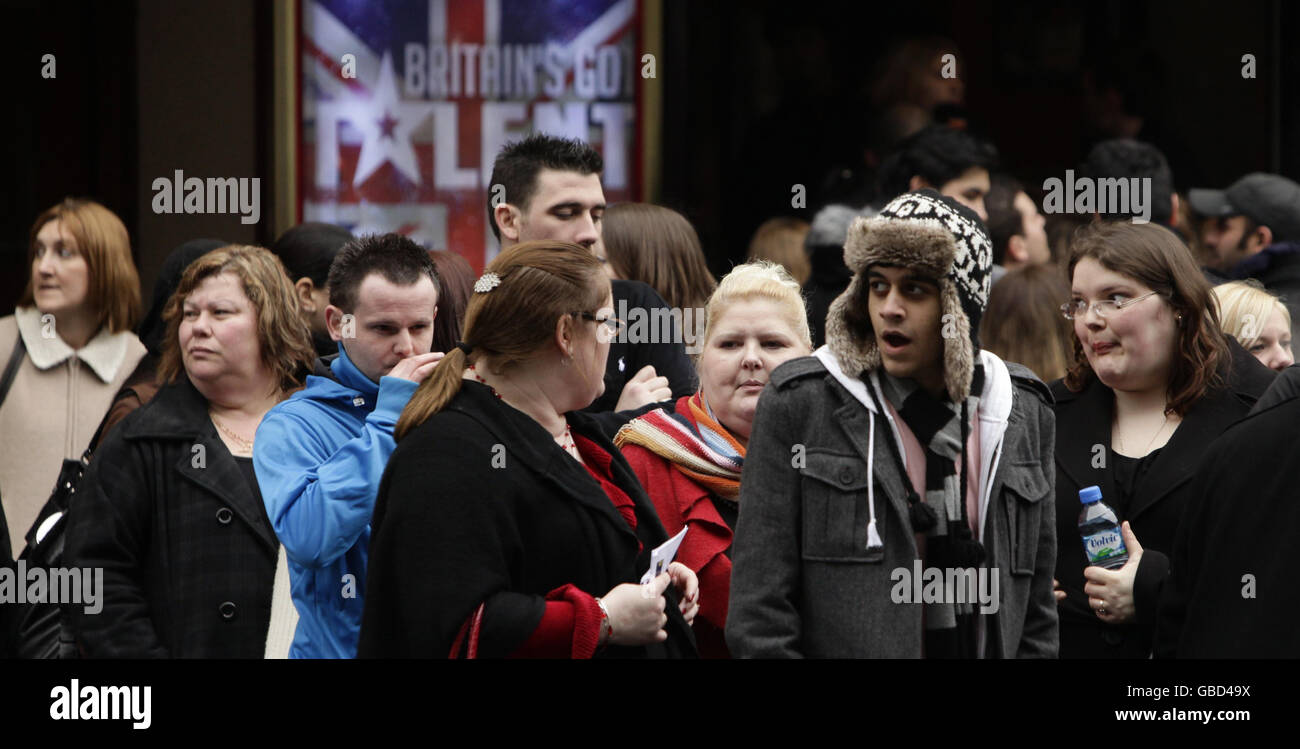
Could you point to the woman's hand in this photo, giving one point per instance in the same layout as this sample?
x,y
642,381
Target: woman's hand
x,y
688,585
1110,592
1057,590
636,612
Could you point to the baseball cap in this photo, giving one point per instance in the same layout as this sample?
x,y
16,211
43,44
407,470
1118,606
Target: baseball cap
x,y
1267,199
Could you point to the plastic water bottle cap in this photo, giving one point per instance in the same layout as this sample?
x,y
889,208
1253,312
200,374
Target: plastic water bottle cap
x,y
1090,494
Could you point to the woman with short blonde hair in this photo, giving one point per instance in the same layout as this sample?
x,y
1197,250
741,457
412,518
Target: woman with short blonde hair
x,y
1259,321
690,460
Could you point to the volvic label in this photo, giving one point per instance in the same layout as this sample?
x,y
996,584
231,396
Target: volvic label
x,y
1104,546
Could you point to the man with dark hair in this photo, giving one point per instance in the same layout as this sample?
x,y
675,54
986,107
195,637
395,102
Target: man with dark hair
x,y
307,251
320,454
545,187
1256,232
953,162
1123,158
1016,228
829,549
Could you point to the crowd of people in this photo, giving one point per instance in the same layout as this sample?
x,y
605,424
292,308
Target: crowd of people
x,y
349,446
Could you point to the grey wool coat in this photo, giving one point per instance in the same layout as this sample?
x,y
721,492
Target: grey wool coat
x,y
804,583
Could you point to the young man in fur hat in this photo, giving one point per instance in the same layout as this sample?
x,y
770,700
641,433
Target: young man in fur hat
x,y
897,499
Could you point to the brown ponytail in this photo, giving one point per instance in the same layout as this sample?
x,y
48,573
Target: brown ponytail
x,y
539,283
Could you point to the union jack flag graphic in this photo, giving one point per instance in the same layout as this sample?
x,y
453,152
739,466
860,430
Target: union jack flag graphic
x,y
405,104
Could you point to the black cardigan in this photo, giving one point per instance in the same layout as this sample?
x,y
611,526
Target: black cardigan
x,y
479,504
1083,421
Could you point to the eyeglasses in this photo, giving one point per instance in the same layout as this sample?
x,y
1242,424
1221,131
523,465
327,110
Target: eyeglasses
x,y
611,327
1105,308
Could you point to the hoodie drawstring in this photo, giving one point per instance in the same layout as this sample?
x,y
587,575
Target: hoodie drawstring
x,y
873,536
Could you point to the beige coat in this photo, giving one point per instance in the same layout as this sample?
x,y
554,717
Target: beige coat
x,y
57,400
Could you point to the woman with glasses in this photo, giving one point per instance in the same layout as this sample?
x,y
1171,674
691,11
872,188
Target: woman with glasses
x,y
1152,382
689,461
507,524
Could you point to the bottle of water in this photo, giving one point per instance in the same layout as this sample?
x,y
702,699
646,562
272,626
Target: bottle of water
x,y
1103,543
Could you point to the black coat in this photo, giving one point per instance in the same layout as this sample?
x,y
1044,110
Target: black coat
x,y
187,550
1160,497
1230,592
451,531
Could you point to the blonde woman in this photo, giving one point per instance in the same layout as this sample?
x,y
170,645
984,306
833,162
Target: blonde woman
x,y
1258,320
690,461
70,346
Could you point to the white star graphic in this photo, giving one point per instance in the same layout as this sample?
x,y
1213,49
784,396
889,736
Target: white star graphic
x,y
387,121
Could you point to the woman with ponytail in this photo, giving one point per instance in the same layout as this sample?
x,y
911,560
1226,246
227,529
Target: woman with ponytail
x,y
506,506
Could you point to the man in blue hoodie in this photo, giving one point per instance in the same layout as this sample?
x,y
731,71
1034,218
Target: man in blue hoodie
x,y
320,454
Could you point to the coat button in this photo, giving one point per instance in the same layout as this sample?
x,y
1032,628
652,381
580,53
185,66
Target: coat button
x,y
846,475
224,515
793,385
227,610
1111,637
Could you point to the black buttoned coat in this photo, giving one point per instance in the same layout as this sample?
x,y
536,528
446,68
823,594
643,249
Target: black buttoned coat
x,y
1160,497
187,551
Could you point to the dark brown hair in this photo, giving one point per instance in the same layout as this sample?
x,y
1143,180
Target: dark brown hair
x,y
113,291
540,282
659,246
394,257
281,331
1154,256
457,284
1023,322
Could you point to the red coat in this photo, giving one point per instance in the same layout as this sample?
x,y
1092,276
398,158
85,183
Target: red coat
x,y
679,500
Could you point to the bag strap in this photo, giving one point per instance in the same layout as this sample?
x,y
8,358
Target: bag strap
x,y
471,626
11,369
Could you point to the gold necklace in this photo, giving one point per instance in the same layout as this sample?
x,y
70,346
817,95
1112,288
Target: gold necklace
x,y
245,445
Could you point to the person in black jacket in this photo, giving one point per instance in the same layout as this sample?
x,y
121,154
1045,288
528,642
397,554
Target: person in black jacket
x,y
1230,594
548,188
503,497
169,507
1153,381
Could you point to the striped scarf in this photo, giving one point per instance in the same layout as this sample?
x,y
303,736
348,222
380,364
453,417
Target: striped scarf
x,y
703,451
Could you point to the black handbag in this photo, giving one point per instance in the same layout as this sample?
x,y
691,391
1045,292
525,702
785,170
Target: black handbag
x,y
42,630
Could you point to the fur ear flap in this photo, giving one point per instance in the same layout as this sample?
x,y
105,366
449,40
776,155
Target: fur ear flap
x,y
958,353
855,352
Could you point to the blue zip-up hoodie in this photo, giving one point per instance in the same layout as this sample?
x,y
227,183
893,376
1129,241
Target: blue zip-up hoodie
x,y
319,457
